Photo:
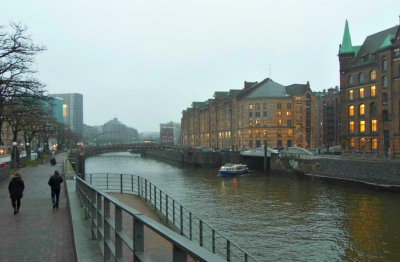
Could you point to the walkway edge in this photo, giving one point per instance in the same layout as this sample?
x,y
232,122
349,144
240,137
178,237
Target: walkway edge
x,y
87,250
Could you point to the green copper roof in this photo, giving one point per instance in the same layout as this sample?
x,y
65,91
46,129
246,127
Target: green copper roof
x,y
346,46
387,42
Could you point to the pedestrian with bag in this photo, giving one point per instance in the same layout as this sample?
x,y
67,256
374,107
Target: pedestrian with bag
x,y
55,184
16,187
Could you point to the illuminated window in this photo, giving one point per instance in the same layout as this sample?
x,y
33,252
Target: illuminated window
x,y
373,75
265,122
350,94
374,125
280,122
239,133
351,110
250,133
265,132
250,123
362,126
250,106
258,122
362,109
361,92
351,143
373,90
351,127
289,132
279,133
65,113
362,143
374,143
288,113
279,113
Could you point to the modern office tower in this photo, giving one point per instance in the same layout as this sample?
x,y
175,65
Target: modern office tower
x,y
369,93
72,111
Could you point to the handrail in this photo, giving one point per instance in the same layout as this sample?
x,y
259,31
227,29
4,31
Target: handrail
x,y
97,207
185,222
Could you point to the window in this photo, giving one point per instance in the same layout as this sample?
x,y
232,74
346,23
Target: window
x,y
351,127
250,106
264,105
384,99
373,90
250,123
265,133
362,109
250,114
361,92
289,122
250,133
350,96
361,78
251,144
384,82
279,121
362,143
279,105
279,133
288,113
258,122
350,80
373,110
257,106
257,132
351,110
290,132
265,122
265,113
374,125
385,116
289,106
373,75
374,143
279,113
397,52
384,65
351,143
258,114
362,126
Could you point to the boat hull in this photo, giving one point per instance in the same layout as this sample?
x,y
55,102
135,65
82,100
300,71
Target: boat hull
x,y
231,173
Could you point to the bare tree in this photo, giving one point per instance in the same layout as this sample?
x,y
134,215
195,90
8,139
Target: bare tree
x,y
17,59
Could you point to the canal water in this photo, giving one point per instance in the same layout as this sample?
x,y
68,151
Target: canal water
x,y
278,217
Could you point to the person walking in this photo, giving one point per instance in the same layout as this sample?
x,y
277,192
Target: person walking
x,y
16,187
55,184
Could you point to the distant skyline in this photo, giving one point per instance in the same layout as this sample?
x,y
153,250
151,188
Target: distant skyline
x,y
144,62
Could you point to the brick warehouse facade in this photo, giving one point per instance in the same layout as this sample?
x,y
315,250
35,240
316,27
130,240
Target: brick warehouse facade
x,y
369,93
264,112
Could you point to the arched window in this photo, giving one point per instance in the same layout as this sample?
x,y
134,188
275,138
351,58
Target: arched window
x,y
350,80
385,116
384,99
351,110
362,143
351,143
373,110
361,92
384,82
361,110
373,90
361,78
350,95
374,143
373,75
384,65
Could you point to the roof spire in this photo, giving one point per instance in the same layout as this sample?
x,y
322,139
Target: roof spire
x,y
346,46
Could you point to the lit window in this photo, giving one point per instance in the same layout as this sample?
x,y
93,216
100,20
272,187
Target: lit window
x,y
351,110
279,133
258,132
250,123
374,143
362,143
250,133
250,106
288,113
373,75
265,132
350,94
289,132
351,143
373,90
65,112
362,126
361,92
351,127
279,113
265,122
280,122
258,122
374,125
239,133
362,109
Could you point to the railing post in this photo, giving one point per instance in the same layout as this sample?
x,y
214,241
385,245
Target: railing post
x,y
145,189
213,241
132,182
150,192
90,178
190,225
107,181
181,219
107,253
166,208
161,201
138,238
201,232
138,186
99,218
245,257
118,229
120,179
93,212
155,198
228,250
173,212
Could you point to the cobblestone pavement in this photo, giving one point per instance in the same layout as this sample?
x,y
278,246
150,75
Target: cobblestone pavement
x,y
38,232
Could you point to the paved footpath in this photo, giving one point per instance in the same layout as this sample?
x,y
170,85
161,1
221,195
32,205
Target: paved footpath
x,y
38,232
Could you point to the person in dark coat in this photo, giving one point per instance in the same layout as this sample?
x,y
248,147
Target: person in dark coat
x,y
16,187
55,184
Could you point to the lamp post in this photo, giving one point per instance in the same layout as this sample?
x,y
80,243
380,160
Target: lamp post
x,y
15,153
28,151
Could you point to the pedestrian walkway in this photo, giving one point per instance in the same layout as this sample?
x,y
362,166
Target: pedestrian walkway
x,y
38,232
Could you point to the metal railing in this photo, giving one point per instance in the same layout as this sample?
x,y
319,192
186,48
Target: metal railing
x,y
182,220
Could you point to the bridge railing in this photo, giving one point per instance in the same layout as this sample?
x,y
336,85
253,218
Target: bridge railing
x,y
118,242
182,220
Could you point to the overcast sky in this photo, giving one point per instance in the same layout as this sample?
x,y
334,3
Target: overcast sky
x,y
146,61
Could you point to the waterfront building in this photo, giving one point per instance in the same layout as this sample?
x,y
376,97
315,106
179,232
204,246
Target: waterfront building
x,y
328,115
170,133
260,113
72,111
54,106
115,132
369,92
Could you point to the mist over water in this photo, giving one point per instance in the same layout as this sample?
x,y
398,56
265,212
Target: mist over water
x,y
277,217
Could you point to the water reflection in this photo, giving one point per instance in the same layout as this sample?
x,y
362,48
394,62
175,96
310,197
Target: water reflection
x,y
279,217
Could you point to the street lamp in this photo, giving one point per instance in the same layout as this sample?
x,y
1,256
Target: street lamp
x,y
28,151
15,154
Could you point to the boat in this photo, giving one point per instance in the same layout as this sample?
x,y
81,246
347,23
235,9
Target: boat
x,y
233,169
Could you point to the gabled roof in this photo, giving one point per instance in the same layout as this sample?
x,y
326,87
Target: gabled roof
x,y
266,88
387,42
